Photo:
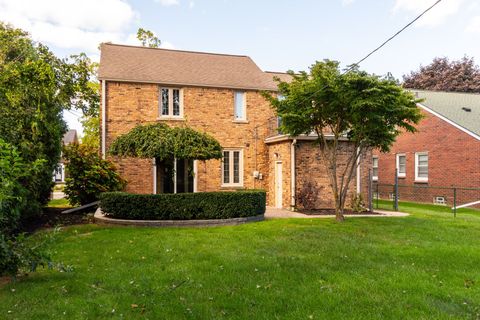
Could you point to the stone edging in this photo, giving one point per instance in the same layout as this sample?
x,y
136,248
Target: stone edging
x,y
100,218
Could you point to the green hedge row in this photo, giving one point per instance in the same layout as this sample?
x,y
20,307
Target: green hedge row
x,y
183,206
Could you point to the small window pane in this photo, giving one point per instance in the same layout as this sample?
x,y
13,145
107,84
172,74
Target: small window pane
x,y
375,172
164,102
176,102
401,164
236,167
423,172
226,167
375,162
239,105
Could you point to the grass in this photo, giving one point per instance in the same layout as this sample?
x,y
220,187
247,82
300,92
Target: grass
x,y
59,203
425,266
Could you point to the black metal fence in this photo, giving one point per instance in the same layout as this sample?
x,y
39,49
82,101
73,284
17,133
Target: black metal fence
x,y
452,197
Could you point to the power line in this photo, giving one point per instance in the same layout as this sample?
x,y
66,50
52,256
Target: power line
x,y
395,35
353,66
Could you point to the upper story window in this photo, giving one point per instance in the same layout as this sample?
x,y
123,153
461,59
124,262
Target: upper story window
x,y
375,168
240,106
421,166
171,103
232,168
402,165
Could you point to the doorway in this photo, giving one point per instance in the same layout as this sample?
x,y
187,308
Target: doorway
x,y
175,176
278,185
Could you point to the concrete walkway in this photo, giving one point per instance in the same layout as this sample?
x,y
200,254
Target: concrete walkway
x,y
275,213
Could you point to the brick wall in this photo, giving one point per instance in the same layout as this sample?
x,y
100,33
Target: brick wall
x,y
309,168
211,110
453,155
205,109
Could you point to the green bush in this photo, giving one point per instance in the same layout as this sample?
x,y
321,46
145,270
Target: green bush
x,y
88,175
183,206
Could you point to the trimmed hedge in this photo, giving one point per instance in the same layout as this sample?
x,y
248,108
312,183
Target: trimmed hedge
x,y
183,206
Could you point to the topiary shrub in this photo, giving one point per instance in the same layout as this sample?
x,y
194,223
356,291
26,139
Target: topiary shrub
x,y
88,175
183,206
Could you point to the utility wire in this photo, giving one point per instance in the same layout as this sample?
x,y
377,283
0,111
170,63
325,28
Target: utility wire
x,y
356,64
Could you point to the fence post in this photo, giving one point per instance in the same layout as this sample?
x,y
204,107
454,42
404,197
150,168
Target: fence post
x,y
454,202
395,204
370,191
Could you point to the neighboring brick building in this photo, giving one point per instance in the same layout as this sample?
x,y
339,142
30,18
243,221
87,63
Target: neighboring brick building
x,y
214,93
445,152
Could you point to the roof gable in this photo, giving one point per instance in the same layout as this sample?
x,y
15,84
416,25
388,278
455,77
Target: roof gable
x,y
174,67
462,109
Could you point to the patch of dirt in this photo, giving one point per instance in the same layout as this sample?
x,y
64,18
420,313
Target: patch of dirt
x,y
53,217
326,212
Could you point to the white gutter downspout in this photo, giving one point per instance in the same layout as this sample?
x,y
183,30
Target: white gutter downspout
x,y
358,172
292,173
104,120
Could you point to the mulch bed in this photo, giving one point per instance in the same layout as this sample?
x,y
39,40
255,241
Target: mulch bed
x,y
327,212
53,217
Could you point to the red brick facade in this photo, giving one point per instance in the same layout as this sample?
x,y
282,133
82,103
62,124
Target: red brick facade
x,y
211,110
453,160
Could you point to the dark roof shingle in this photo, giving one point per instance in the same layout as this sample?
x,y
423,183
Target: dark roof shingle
x,y
175,67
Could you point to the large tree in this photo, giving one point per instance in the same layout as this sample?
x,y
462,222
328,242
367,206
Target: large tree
x,y
367,110
35,88
444,75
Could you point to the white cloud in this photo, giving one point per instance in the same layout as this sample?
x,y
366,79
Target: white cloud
x,y
68,23
474,25
191,4
346,3
168,3
435,16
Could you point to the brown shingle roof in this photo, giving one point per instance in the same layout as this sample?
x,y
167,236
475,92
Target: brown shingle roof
x,y
70,137
175,67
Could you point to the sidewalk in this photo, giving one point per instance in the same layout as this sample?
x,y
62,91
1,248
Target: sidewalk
x,y
275,213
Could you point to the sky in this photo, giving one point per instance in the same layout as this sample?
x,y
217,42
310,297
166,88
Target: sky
x,y
279,35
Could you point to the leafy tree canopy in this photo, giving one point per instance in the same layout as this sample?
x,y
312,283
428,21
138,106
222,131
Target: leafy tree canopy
x,y
366,109
163,142
35,88
148,38
444,75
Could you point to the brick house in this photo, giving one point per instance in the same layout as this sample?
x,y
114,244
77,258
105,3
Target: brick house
x,y
444,153
215,93
59,173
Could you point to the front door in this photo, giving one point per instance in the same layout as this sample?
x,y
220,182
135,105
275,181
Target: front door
x,y
278,185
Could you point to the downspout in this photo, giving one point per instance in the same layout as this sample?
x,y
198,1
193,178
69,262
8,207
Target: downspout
x,y
358,172
104,120
292,174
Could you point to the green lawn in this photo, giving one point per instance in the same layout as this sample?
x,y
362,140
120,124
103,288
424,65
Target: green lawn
x,y
420,267
59,203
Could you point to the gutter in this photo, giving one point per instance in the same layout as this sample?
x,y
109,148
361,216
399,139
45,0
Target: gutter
x,y
358,173
293,177
104,120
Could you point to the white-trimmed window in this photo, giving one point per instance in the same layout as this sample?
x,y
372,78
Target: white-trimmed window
x,y
232,168
240,106
170,103
421,166
401,165
375,168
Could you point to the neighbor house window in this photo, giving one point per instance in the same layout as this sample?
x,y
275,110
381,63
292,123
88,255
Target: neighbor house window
x,y
279,119
375,168
171,103
421,166
402,165
232,168
240,113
